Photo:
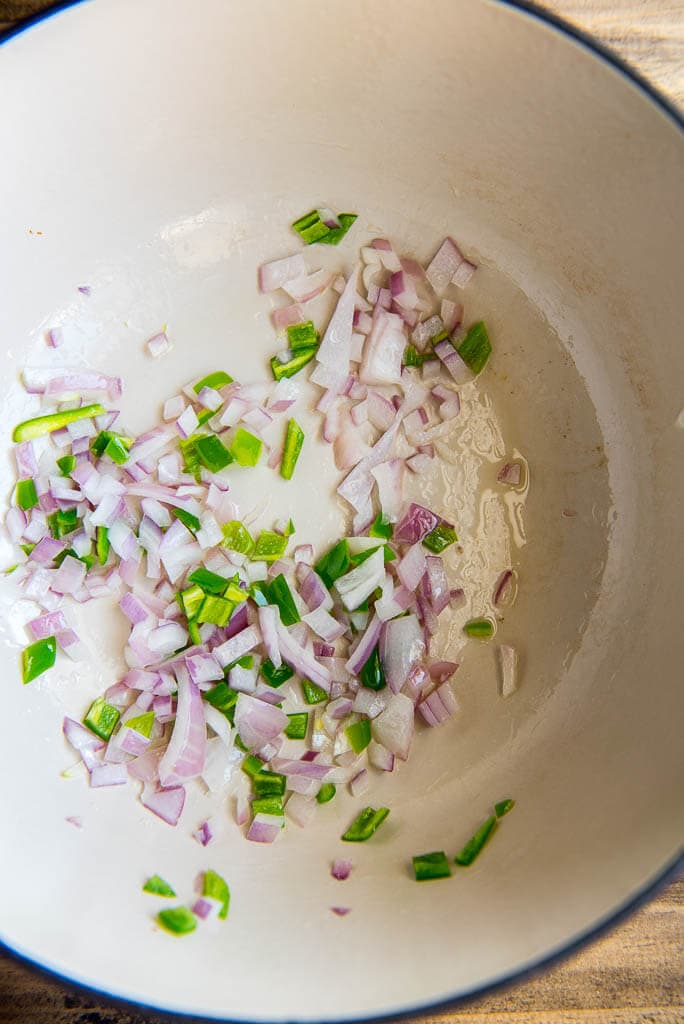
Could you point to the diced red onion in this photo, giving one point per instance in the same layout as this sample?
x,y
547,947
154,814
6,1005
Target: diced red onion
x,y
380,757
308,286
436,583
453,362
278,272
158,345
411,568
15,523
301,660
69,577
108,775
364,647
341,869
265,828
204,834
511,474
300,809
450,403
287,316
238,645
504,589
443,265
167,804
415,525
441,671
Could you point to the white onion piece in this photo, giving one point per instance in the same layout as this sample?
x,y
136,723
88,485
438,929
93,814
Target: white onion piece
x,y
384,350
389,477
360,783
239,645
184,756
411,568
393,727
300,809
108,775
307,287
359,583
402,645
159,345
508,659
278,272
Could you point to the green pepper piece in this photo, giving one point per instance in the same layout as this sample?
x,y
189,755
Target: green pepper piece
x,y
141,723
177,920
191,600
216,888
279,593
294,439
158,887
482,629
275,677
335,235
66,464
294,365
41,425
38,658
212,453
26,494
102,718
267,783
474,846
427,866
381,528
334,563
215,610
440,538
301,336
363,827
187,519
270,546
372,675
252,766
246,447
237,537
311,228
223,699
210,582
298,724
313,694
216,380
102,544
268,805
358,734
503,807
326,792
476,348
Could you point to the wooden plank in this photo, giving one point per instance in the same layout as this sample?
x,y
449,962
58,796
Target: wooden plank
x,y
632,976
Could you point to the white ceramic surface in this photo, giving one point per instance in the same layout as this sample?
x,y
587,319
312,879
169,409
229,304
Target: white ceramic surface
x,y
162,150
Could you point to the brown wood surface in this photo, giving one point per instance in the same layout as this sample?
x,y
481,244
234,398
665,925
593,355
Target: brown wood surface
x,y
632,976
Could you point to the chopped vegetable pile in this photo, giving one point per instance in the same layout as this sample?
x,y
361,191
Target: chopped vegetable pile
x,y
307,670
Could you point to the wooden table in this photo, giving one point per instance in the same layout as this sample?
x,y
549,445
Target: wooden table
x,y
634,976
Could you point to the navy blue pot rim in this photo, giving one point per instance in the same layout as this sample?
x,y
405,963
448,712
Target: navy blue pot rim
x,y
669,873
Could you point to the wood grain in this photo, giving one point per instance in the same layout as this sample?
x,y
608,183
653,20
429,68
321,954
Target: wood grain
x,y
634,975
